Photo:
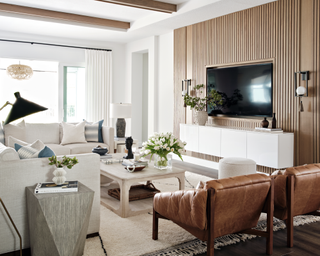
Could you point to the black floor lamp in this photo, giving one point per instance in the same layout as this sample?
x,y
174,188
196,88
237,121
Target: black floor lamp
x,y
20,108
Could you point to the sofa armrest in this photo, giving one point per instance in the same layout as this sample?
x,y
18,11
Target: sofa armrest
x,y
108,137
184,206
18,174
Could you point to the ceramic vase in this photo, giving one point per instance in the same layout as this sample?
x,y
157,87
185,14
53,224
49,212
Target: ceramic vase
x,y
201,117
59,176
265,123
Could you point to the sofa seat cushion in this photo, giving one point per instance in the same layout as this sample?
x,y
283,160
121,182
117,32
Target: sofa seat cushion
x,y
58,149
81,148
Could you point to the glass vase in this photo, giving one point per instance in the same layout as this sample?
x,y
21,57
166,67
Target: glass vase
x,y
160,162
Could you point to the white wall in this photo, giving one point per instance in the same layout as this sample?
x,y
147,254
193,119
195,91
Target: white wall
x,y
160,83
165,84
65,56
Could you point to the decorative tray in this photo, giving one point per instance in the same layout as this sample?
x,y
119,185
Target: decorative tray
x,y
134,168
136,192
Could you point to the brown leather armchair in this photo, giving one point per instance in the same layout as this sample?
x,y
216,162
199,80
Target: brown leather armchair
x,y
225,206
297,192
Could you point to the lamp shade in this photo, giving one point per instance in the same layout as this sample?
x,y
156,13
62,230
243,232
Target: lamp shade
x,y
120,110
301,90
22,108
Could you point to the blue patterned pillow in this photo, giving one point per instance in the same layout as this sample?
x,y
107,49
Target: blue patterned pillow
x,y
1,134
31,151
93,131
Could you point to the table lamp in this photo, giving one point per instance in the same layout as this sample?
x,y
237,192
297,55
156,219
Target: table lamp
x,y
120,111
21,108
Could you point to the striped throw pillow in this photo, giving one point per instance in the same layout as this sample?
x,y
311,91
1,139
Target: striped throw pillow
x,y
93,131
34,150
1,134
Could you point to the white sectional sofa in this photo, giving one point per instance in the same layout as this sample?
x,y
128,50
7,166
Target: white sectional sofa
x,y
16,174
51,135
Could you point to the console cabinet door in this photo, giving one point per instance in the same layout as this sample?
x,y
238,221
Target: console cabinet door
x,y
189,134
271,150
209,140
233,143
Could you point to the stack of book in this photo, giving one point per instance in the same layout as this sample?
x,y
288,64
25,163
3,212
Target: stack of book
x,y
105,156
269,129
50,187
119,138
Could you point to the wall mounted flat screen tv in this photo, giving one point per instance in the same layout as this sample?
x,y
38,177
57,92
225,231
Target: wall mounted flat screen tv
x,y
245,90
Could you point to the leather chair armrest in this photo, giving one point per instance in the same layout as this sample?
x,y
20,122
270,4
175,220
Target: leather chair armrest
x,y
185,206
280,191
108,137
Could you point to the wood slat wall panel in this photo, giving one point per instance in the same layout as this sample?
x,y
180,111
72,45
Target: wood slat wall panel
x,y
271,31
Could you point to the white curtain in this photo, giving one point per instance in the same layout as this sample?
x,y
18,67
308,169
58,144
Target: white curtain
x,y
98,85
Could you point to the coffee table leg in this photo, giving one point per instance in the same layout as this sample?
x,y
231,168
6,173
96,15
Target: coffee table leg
x,y
181,181
124,199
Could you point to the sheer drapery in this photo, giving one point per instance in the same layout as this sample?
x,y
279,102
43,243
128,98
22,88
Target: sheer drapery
x,y
98,85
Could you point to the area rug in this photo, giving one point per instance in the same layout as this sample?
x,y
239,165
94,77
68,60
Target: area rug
x,y
133,236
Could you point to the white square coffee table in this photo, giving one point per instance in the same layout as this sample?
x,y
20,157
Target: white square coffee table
x,y
125,179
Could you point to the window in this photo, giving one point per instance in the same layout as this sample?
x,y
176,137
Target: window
x,y
74,94
42,88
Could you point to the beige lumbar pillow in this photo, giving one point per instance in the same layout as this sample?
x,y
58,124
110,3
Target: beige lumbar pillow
x,y
73,133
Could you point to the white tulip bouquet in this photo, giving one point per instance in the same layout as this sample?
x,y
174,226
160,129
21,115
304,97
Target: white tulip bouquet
x,y
162,144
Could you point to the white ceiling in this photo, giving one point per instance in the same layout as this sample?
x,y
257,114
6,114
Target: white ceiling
x,y
144,23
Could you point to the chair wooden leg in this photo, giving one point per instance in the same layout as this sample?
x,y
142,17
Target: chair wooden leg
x,y
155,225
289,220
210,241
270,211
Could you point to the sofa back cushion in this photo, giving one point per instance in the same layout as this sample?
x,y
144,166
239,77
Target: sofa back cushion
x,y
15,130
47,133
238,202
1,134
306,188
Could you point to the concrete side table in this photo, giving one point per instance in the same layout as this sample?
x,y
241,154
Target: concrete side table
x,y
58,222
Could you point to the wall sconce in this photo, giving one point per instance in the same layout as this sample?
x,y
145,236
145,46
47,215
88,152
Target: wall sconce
x,y
301,91
185,87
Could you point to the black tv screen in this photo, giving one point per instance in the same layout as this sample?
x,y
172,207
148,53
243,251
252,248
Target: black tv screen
x,y
245,90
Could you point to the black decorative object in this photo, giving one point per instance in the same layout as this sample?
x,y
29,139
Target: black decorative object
x,y
265,123
274,121
120,111
21,108
100,150
129,142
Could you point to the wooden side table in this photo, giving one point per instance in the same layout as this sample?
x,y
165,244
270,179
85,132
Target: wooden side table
x,y
58,222
120,145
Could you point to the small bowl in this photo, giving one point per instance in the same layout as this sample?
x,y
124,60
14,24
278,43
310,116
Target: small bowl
x,y
99,150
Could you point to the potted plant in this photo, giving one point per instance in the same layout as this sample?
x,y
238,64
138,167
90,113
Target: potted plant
x,y
199,103
60,173
160,145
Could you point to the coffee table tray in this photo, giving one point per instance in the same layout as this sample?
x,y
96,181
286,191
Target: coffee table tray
x,y
136,192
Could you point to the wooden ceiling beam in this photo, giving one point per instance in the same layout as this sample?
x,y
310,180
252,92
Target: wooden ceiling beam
x,y
145,4
62,16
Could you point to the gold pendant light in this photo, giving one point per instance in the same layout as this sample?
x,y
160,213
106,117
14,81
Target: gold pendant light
x,y
19,72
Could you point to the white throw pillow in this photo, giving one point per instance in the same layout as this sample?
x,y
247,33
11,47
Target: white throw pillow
x,y
73,133
12,140
15,130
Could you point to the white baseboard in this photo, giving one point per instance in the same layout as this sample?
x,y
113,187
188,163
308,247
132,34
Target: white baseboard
x,y
197,161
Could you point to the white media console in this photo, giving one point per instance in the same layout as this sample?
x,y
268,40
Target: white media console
x,y
270,149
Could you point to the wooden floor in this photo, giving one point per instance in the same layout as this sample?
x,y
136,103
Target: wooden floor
x,y
306,237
